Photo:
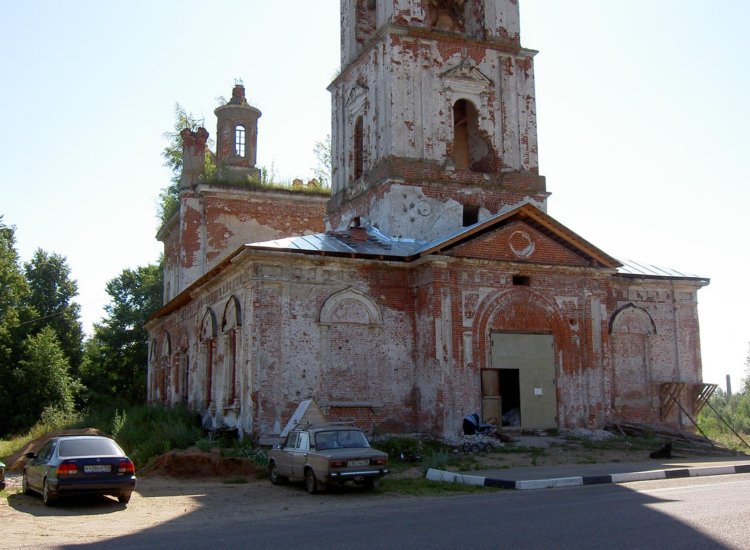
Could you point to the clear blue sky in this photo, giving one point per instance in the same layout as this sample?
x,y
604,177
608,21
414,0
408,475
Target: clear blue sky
x,y
642,108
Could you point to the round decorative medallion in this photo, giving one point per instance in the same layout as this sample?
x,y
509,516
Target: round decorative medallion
x,y
521,244
424,208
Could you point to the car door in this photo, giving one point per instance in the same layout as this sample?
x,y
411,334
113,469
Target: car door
x,y
299,455
36,467
284,458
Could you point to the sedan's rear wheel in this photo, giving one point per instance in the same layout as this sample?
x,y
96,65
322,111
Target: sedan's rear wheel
x,y
273,474
47,496
123,498
311,482
25,485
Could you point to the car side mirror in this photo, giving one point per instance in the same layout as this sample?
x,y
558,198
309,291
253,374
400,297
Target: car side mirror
x,y
30,455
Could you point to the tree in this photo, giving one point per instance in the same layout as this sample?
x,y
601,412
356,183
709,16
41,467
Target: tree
x,y
52,292
13,292
322,152
746,380
169,197
42,380
115,358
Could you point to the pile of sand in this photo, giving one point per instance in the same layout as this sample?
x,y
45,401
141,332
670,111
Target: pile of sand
x,y
194,463
16,461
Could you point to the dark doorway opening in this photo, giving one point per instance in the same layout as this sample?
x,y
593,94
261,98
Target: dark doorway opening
x,y
510,395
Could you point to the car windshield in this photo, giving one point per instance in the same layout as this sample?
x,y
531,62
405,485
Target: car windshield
x,y
88,447
340,439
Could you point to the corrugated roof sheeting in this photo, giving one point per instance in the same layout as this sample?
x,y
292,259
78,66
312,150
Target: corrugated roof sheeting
x,y
326,243
379,246
629,267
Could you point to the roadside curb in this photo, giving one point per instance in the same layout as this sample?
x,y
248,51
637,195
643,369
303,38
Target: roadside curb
x,y
577,481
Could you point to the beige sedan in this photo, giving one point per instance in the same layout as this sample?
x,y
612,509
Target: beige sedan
x,y
326,454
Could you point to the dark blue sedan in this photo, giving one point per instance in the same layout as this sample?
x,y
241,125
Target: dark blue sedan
x,y
79,465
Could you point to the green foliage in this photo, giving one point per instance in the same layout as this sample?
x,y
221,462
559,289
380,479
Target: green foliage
x,y
13,291
115,358
424,487
169,197
433,453
42,380
256,455
118,422
409,446
51,294
205,444
735,411
323,168
235,480
145,431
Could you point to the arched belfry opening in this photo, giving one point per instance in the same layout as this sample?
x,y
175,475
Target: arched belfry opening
x,y
471,150
359,149
239,140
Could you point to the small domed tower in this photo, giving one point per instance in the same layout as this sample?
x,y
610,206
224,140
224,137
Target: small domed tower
x,y
237,137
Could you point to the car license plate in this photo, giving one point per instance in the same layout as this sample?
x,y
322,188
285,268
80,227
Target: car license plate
x,y
360,462
96,468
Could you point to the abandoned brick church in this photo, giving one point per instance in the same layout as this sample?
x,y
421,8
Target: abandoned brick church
x,y
431,282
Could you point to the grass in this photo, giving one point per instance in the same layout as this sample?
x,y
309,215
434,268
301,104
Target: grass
x,y
425,487
619,442
235,480
15,444
142,431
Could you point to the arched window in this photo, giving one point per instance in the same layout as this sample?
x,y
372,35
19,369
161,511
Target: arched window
x,y
164,372
239,140
208,342
359,152
631,332
471,150
230,325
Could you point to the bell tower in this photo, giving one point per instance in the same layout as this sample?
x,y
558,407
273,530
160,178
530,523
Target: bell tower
x,y
433,116
237,136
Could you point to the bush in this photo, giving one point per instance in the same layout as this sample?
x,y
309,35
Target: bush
x,y
145,431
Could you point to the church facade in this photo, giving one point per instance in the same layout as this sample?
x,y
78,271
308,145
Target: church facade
x,y
432,282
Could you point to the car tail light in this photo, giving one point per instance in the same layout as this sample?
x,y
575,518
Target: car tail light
x,y
379,461
126,466
338,463
67,469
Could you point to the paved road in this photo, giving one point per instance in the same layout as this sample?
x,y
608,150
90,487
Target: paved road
x,y
680,513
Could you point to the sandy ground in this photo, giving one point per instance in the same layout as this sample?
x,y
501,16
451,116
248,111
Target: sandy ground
x,y
169,503
158,502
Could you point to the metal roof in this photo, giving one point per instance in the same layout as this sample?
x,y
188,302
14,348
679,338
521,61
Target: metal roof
x,y
630,267
375,245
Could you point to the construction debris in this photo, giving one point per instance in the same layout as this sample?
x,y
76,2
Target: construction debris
x,y
681,442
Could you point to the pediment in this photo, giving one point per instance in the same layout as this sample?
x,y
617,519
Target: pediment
x,y
523,234
465,72
519,242
355,99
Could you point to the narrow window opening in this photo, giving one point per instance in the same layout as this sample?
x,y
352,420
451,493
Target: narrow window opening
x,y
239,140
460,135
521,280
359,160
208,397
471,215
233,366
